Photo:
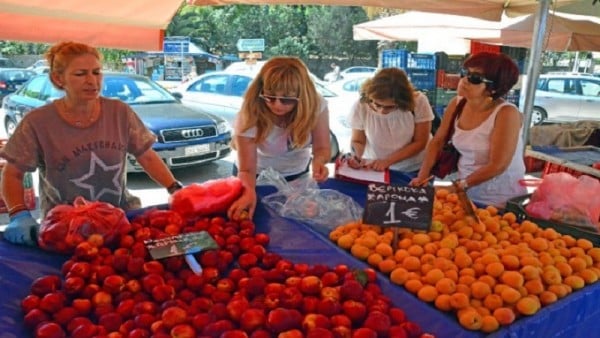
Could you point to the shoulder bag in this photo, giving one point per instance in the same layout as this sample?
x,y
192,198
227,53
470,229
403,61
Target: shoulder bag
x,y
447,160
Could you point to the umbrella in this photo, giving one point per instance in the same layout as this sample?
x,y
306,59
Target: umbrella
x,y
564,32
414,25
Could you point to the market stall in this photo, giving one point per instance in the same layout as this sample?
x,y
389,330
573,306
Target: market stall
x,y
575,315
577,160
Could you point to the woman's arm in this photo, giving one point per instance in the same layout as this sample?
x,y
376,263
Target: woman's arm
x,y
503,144
12,186
246,152
321,147
155,168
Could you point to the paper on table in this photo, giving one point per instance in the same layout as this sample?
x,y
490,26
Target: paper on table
x,y
361,174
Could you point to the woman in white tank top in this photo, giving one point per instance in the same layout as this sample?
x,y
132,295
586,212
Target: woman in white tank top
x,y
488,133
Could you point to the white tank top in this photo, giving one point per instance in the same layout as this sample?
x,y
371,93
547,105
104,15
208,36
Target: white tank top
x,y
474,148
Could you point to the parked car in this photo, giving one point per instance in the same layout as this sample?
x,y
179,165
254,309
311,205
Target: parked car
x,y
6,63
185,136
13,78
351,72
221,93
565,97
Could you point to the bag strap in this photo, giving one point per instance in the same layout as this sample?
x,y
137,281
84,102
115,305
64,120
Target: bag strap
x,y
455,115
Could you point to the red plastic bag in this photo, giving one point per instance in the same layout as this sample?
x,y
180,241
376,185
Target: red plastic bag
x,y
207,198
567,199
65,225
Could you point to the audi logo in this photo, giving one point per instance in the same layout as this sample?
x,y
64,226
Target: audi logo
x,y
192,133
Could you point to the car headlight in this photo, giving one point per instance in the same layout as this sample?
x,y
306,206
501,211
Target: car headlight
x,y
223,127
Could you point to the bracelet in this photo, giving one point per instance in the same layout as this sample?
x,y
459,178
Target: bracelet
x,y
174,187
19,207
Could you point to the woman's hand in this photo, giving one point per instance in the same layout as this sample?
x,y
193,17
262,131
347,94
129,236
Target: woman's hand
x,y
420,181
244,206
320,172
378,165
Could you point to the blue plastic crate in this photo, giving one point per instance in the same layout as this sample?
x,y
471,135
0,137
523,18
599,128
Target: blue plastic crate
x,y
421,61
394,58
422,79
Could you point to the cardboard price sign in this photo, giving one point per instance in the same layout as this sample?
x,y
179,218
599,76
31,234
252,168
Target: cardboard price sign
x,y
402,206
182,244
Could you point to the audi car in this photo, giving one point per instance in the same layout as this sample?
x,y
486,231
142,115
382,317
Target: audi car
x,y
185,136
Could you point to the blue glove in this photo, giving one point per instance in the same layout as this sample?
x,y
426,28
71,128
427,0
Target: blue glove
x,y
22,229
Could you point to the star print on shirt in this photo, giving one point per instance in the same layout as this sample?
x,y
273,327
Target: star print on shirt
x,y
100,172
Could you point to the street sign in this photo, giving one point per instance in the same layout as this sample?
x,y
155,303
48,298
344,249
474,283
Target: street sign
x,y
251,45
176,45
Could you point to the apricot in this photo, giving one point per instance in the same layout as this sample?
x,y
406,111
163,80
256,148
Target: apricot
x,y
510,295
427,293
595,254
413,285
360,251
411,263
385,250
565,269
387,265
530,272
442,302
511,262
463,260
577,263
489,324
493,301
433,276
512,278
399,276
494,269
345,241
585,244
504,315
528,305
459,300
575,282
374,259
400,254
470,320
534,286
588,275
560,290
547,298
480,290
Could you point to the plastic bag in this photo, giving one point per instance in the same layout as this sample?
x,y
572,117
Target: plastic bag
x,y
567,199
65,226
207,198
303,200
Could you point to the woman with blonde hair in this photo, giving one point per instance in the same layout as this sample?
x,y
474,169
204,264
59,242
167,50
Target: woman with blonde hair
x,y
283,124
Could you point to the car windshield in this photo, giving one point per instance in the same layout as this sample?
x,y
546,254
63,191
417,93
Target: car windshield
x,y
16,74
135,90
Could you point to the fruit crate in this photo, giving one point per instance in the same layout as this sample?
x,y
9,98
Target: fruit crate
x,y
394,58
576,161
517,206
421,61
422,79
449,63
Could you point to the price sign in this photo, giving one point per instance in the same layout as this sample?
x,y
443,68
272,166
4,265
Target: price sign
x,y
182,244
401,206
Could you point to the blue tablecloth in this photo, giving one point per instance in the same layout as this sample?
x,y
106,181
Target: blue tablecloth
x,y
574,316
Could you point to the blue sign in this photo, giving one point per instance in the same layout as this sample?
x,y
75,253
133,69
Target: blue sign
x,y
176,45
251,45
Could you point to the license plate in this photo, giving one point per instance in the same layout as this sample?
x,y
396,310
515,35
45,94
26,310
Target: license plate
x,y
197,149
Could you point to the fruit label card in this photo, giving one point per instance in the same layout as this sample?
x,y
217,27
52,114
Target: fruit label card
x,y
401,206
181,244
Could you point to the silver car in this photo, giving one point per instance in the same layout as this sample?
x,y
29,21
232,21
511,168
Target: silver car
x,y
564,97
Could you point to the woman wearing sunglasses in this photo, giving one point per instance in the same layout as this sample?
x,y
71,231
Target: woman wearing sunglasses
x,y
391,124
283,124
487,133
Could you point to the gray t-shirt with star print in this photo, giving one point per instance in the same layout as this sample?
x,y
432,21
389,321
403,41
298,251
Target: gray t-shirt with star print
x,y
88,162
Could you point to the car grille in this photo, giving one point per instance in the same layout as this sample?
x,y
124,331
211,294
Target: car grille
x,y
188,134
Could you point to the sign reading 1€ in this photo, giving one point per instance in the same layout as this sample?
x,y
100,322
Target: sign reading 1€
x,y
251,45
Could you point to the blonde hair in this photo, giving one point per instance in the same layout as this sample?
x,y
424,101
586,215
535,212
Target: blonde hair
x,y
390,83
60,55
290,76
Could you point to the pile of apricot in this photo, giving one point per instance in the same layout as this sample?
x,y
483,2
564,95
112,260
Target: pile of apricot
x,y
489,272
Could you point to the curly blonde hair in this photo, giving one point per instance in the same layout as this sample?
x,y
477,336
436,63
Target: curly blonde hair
x,y
288,75
389,83
61,54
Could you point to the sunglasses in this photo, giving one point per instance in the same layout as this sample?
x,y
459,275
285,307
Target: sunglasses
x,y
377,106
286,101
474,78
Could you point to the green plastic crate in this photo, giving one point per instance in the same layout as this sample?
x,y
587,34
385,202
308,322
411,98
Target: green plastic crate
x,y
517,206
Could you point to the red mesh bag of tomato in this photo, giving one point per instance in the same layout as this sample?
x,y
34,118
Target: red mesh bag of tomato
x,y
211,197
65,225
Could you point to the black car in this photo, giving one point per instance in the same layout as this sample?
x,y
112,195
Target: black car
x,y
13,78
185,136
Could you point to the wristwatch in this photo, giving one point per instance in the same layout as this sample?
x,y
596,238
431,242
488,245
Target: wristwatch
x,y
174,187
462,183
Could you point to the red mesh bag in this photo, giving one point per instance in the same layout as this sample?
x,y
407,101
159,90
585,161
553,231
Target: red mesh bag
x,y
207,198
66,225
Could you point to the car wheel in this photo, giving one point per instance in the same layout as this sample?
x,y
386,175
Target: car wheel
x,y
10,125
538,115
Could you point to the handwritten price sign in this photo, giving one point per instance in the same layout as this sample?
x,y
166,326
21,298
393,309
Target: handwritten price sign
x,y
399,206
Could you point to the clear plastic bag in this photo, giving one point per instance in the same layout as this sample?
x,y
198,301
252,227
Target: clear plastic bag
x,y
303,200
567,199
